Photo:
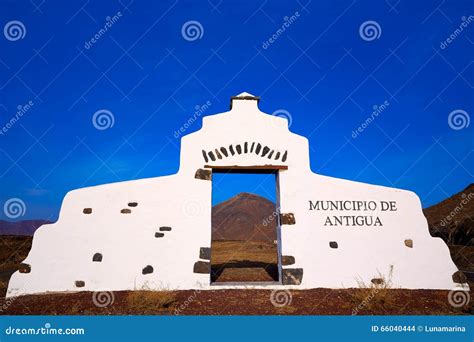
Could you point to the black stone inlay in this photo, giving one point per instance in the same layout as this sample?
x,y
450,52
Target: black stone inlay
x,y
205,253
204,154
147,270
292,276
224,151
97,257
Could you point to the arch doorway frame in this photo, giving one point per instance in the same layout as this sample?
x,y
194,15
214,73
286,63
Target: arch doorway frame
x,y
256,169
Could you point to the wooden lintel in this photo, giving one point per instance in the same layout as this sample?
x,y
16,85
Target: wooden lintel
x,y
249,168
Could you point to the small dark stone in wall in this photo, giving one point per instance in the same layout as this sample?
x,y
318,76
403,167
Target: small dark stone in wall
x,y
409,243
87,211
239,149
159,235
80,283
126,211
24,268
287,219
377,281
205,253
203,174
287,260
147,270
265,151
97,257
224,151
459,277
202,267
251,147
271,154
257,150
277,155
245,147
165,229
285,155
204,154
292,276
132,204
333,244
218,154
211,155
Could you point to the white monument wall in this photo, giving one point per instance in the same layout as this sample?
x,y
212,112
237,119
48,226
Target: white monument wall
x,y
61,258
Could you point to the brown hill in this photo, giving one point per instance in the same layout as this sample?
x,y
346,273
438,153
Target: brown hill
x,y
26,227
244,217
453,219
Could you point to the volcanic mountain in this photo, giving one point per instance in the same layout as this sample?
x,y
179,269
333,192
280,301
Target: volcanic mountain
x,y
26,227
453,219
244,217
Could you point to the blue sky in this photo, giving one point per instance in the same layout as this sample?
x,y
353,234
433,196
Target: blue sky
x,y
320,70
227,185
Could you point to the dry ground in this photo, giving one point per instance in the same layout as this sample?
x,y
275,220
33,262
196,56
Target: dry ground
x,y
235,302
244,261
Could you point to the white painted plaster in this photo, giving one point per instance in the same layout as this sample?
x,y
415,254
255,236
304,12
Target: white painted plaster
x,y
62,252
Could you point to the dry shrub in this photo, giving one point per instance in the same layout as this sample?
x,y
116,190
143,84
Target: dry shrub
x,y
374,297
149,302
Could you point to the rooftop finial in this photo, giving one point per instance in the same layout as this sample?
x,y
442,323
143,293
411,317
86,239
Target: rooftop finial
x,y
244,96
